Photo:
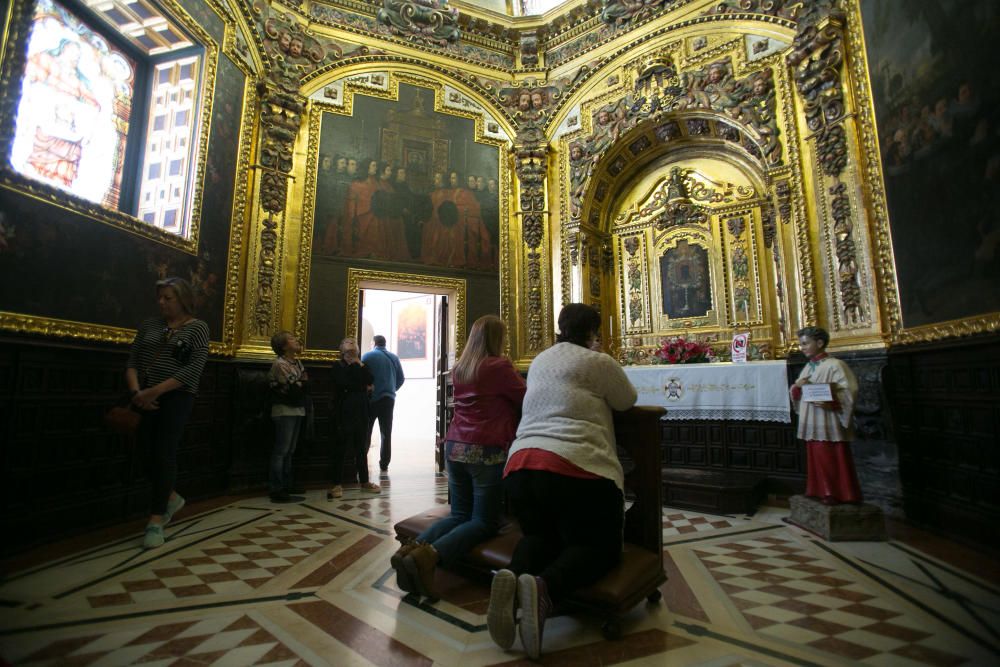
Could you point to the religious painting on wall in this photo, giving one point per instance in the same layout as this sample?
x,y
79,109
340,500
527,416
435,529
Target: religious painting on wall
x,y
399,182
413,334
685,281
934,69
73,114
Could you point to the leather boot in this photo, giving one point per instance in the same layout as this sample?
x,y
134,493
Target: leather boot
x,y
420,563
403,579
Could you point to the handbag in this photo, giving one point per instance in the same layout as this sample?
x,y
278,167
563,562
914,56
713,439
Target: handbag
x,y
123,420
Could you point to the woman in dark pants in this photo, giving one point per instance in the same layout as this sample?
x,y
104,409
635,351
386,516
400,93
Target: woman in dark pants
x,y
352,382
164,367
563,480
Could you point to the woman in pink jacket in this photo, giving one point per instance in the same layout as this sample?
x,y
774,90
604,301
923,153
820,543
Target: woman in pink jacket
x,y
488,396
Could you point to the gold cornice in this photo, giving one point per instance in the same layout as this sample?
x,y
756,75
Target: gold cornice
x,y
968,326
351,33
669,40
51,326
406,70
614,48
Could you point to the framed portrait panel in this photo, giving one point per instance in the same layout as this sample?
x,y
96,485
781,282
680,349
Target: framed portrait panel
x,y
412,331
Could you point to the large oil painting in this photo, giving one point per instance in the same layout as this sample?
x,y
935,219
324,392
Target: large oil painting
x,y
399,182
934,69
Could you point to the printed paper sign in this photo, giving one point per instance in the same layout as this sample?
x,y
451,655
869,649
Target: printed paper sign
x,y
739,348
820,392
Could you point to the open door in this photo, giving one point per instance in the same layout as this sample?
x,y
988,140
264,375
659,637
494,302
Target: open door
x,y
360,321
445,396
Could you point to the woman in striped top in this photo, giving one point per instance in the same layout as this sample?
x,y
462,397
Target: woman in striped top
x,y
164,367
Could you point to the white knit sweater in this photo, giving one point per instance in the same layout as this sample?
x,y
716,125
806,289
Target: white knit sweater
x,y
567,409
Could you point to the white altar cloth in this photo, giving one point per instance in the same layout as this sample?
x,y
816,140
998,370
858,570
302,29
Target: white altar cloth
x,y
754,391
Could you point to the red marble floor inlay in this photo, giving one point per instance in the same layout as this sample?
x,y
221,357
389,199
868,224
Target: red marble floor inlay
x,y
331,569
844,648
929,656
677,594
897,631
112,600
60,648
376,646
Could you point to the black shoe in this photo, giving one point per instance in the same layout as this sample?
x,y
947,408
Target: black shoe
x,y
281,497
295,490
383,468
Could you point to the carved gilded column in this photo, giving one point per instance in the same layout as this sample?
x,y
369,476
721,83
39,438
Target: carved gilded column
x,y
817,60
531,153
281,112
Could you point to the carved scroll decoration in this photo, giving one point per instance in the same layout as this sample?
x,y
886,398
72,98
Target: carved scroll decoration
x,y
530,150
280,115
817,61
430,21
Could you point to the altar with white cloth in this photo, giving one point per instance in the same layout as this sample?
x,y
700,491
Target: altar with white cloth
x,y
754,391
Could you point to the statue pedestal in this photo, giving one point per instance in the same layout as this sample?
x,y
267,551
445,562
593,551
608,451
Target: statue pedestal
x,y
838,523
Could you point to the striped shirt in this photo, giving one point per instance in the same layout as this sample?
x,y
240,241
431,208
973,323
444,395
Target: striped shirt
x,y
159,353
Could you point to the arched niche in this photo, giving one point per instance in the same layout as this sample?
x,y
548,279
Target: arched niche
x,y
674,235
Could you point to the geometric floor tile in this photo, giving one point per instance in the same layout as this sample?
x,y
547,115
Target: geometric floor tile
x,y
235,565
255,583
783,592
215,641
681,523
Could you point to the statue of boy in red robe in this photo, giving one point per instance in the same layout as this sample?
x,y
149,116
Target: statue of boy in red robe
x,y
827,426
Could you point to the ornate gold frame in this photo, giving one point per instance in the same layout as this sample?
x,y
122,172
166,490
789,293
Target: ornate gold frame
x,y
55,197
49,326
434,284
396,75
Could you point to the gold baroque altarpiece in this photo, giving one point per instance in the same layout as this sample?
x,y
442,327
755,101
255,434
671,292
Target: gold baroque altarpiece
x,y
816,234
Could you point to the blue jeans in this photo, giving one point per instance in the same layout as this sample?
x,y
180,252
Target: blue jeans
x,y
286,434
476,495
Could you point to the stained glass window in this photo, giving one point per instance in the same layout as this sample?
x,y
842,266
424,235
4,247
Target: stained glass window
x,y
73,116
76,108
168,161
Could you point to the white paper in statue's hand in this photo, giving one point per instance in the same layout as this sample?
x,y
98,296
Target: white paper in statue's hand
x,y
821,392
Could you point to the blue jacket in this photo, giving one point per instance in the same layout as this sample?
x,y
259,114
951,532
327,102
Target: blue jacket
x,y
387,370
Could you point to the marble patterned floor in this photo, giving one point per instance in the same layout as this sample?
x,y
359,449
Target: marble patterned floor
x,y
256,583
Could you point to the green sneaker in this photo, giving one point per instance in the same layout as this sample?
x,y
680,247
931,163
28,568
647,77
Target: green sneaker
x,y
174,506
154,536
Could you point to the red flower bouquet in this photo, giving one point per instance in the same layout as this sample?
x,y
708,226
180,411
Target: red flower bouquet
x,y
680,351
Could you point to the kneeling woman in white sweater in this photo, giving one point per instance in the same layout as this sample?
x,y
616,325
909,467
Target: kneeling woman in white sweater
x,y
563,480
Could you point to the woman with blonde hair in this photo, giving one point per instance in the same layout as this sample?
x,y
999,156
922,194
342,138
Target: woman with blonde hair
x,y
488,395
352,382
163,370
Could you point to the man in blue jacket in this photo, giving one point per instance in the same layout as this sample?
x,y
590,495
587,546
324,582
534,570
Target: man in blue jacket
x,y
388,374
